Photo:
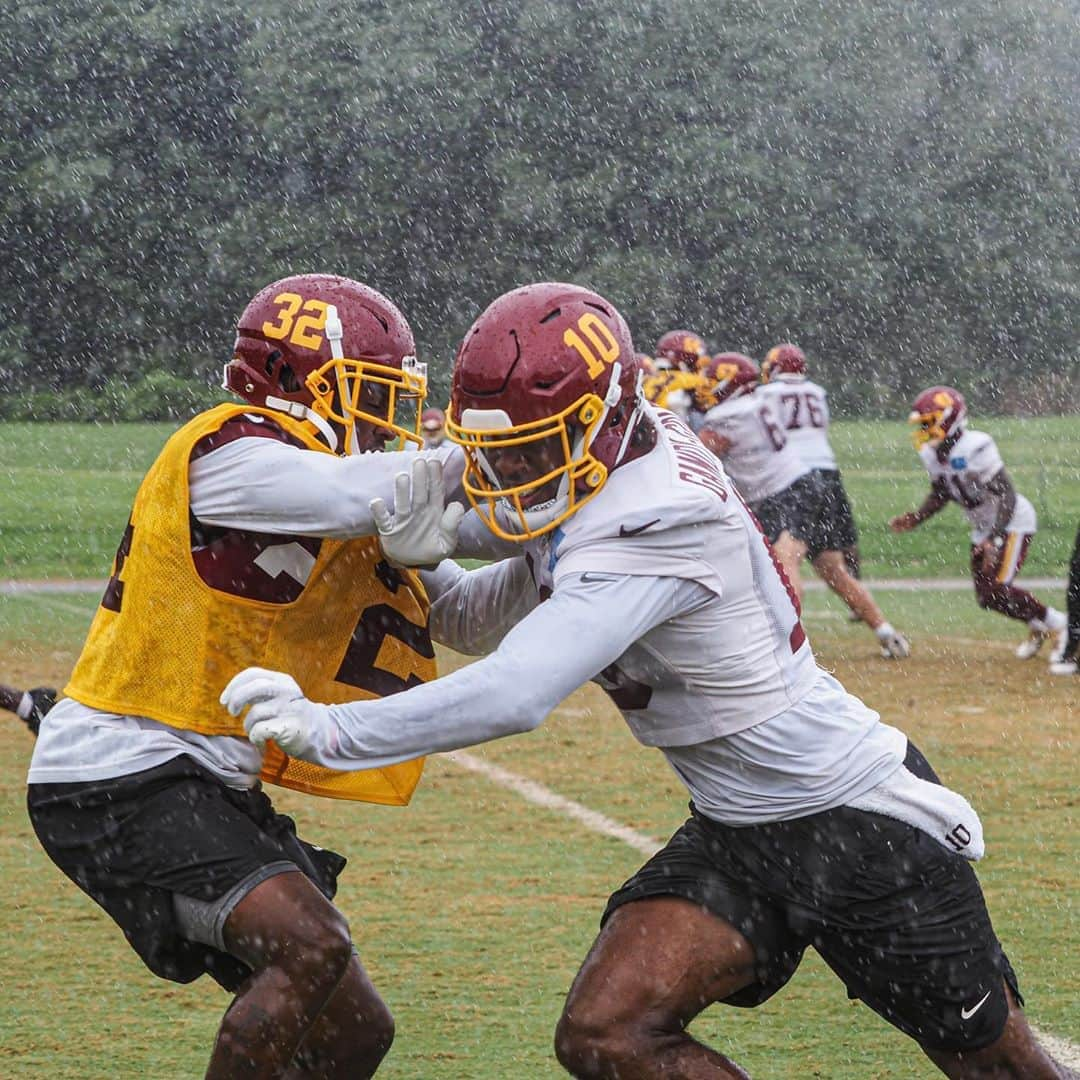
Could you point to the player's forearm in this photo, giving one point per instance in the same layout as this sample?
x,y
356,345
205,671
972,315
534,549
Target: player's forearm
x,y
933,502
559,646
471,611
1001,486
269,487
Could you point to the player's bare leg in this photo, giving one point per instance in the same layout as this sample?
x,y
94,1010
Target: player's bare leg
x,y
832,568
1014,1056
791,553
350,1037
297,945
656,964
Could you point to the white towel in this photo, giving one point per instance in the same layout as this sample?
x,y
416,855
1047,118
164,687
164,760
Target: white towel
x,y
947,817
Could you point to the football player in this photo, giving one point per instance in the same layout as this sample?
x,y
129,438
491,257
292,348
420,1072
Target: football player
x,y
803,410
30,706
1066,657
682,349
812,821
788,496
965,467
251,540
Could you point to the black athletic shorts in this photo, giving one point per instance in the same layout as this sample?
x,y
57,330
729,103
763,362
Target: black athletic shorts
x,y
133,842
795,509
898,917
834,529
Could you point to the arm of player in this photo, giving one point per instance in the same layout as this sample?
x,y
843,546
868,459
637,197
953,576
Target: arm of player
x,y
934,501
717,443
268,486
583,628
473,610
1001,486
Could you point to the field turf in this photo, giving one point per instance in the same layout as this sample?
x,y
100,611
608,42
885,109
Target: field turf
x,y
66,490
472,908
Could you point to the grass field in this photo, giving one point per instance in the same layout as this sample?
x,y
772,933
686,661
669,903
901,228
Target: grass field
x,y
472,908
66,490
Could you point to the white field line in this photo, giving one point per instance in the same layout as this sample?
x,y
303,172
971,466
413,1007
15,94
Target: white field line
x,y
539,795
531,791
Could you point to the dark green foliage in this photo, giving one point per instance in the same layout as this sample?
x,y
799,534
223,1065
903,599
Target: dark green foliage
x,y
892,184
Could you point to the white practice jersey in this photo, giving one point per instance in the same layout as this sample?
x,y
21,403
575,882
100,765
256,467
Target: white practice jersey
x,y
256,484
664,591
973,461
802,408
759,460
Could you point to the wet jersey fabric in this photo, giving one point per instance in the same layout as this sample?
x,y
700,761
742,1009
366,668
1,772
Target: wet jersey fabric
x,y
972,462
759,459
802,409
664,591
190,604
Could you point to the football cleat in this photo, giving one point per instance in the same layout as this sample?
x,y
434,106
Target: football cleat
x,y
1065,667
1027,649
894,646
1061,643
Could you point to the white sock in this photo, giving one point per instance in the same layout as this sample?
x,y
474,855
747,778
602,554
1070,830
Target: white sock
x,y
25,706
885,630
1055,620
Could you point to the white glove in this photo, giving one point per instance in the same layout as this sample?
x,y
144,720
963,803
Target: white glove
x,y
422,531
278,710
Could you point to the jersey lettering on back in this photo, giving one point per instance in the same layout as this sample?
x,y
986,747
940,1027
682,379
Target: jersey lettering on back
x,y
696,465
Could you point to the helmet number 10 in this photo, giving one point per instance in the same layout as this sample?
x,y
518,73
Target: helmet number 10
x,y
305,330
596,344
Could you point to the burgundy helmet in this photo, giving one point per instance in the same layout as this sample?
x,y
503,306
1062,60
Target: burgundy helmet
x,y
783,359
544,399
331,351
937,414
728,375
682,348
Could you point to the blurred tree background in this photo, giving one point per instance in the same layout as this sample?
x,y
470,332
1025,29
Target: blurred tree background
x,y
893,184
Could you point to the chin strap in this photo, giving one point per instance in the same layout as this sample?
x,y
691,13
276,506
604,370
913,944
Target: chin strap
x,y
299,411
635,416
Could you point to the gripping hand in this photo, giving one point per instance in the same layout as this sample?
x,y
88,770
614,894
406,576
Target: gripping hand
x,y
277,709
422,530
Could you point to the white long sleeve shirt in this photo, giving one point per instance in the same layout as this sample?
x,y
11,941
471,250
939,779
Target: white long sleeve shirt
x,y
250,484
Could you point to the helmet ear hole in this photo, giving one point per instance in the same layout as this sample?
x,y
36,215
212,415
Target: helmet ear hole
x,y
288,380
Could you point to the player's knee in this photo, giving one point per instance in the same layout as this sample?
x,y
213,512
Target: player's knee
x,y
591,1044
320,951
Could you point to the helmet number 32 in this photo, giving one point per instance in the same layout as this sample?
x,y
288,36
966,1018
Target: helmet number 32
x,y
303,331
595,344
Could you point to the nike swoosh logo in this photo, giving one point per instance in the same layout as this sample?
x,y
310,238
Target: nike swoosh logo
x,y
967,1014
591,578
624,531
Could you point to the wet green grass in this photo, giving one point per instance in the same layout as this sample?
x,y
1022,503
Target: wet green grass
x,y
472,909
66,491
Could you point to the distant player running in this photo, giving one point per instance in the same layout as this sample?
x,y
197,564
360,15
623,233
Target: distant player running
x,y
789,497
803,408
965,467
